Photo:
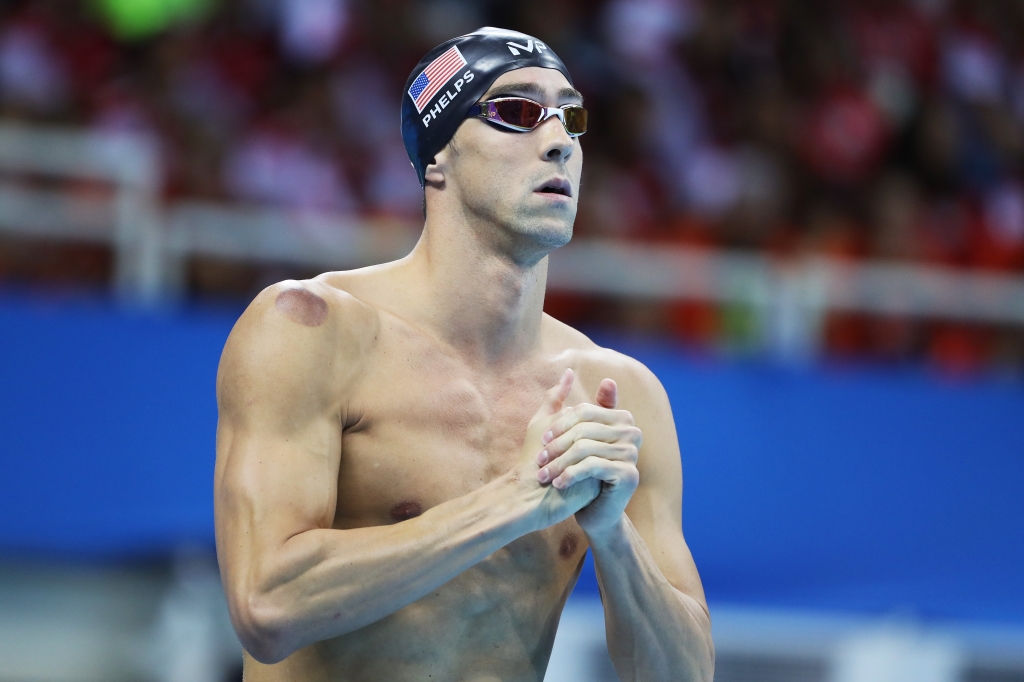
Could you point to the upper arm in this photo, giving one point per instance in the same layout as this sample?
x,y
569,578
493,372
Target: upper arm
x,y
281,397
655,509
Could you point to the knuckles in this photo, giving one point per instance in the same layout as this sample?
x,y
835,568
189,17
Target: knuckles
x,y
632,454
583,413
573,428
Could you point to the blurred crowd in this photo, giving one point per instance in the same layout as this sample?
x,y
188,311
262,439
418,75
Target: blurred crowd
x,y
889,129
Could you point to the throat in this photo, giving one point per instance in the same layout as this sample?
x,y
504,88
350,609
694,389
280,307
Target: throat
x,y
484,305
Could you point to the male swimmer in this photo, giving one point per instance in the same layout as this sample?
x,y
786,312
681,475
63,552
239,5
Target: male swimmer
x,y
412,458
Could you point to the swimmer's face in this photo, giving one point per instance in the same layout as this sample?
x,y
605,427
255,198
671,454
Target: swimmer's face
x,y
526,182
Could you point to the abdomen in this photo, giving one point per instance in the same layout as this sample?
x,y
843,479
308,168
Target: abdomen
x,y
494,622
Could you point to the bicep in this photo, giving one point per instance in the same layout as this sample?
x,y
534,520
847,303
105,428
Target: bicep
x,y
271,486
278,445
656,507
268,489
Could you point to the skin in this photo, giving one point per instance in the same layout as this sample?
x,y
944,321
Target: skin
x,y
412,459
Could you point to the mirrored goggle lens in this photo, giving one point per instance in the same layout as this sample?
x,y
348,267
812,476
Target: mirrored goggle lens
x,y
575,120
521,113
526,114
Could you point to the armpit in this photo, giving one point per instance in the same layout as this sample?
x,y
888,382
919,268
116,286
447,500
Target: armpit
x,y
302,306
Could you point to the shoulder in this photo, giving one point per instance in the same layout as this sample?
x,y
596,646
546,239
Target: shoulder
x,y
310,310
306,330
595,362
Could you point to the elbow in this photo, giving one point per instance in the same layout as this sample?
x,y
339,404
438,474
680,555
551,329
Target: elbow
x,y
261,627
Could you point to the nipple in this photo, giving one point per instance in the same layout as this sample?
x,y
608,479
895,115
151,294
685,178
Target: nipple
x,y
570,543
404,511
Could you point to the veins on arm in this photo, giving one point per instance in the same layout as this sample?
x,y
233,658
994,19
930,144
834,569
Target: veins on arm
x,y
657,613
279,438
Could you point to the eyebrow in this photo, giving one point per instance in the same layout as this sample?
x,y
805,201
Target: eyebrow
x,y
534,90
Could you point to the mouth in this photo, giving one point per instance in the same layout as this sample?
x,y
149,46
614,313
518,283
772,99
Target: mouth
x,y
559,186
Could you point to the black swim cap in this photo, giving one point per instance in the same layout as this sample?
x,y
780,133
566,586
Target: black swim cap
x,y
453,76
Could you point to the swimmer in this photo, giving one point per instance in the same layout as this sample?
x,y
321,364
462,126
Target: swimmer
x,y
413,459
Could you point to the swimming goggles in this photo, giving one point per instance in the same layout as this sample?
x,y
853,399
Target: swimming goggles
x,y
524,115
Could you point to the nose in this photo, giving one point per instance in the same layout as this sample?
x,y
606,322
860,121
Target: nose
x,y
558,145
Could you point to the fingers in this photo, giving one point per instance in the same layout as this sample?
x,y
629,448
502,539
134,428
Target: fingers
x,y
612,472
608,394
623,452
595,431
556,395
585,412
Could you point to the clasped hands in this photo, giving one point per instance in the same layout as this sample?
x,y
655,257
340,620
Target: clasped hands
x,y
589,441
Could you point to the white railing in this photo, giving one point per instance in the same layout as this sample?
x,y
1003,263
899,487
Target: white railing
x,y
267,235
788,299
152,242
129,220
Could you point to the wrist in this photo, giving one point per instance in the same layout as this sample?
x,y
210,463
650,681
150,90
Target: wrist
x,y
610,536
521,500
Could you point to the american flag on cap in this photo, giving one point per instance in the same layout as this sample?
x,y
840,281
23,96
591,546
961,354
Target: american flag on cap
x,y
437,73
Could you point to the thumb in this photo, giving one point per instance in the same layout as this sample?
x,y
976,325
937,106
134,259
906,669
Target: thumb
x,y
557,394
608,394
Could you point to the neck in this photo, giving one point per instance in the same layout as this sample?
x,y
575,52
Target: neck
x,y
474,293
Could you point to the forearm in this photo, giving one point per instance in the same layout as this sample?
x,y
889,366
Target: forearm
x,y
324,583
655,632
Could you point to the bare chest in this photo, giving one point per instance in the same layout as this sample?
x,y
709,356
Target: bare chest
x,y
430,429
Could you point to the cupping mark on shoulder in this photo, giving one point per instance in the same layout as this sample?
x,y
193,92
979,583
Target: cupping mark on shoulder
x,y
302,306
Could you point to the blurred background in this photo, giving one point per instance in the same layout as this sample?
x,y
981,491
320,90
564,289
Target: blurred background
x,y
806,216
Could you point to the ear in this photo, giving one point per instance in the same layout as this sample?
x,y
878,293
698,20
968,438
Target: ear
x,y
434,173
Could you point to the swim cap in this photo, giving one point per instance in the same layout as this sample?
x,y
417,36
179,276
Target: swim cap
x,y
453,76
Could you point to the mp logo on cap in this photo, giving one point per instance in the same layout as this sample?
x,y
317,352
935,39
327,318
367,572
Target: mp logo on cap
x,y
528,47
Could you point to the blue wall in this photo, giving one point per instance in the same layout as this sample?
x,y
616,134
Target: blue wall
x,y
107,424
864,490
856,490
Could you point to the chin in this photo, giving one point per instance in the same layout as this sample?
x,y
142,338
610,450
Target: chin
x,y
560,237
538,232
547,234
